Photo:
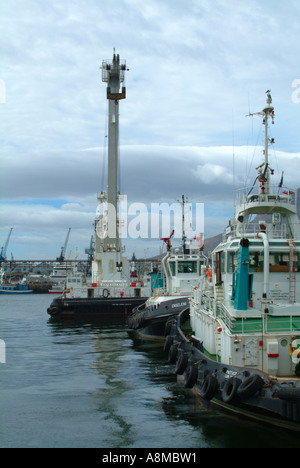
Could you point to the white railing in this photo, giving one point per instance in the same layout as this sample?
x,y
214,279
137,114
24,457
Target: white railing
x,y
274,231
263,323
276,194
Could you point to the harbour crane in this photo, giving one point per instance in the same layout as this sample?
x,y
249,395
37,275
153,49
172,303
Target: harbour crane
x,y
90,251
4,248
61,258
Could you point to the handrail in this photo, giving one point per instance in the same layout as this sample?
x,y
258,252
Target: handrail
x,y
280,194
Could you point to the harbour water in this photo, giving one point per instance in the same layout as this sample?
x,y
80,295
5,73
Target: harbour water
x,y
87,385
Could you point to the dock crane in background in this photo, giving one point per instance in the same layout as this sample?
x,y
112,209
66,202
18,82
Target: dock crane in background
x,y
61,258
90,251
4,248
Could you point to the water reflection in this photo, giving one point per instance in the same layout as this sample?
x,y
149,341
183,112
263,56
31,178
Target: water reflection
x,y
106,357
211,427
134,399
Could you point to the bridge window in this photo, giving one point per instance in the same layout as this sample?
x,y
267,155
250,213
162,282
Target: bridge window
x,y
187,267
172,268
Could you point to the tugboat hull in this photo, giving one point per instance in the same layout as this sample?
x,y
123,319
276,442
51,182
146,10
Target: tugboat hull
x,y
245,391
150,321
153,330
93,307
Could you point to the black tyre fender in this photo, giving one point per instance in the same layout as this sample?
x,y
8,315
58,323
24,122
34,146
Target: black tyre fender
x,y
168,327
172,356
52,310
250,386
168,343
191,376
229,392
209,387
181,363
290,394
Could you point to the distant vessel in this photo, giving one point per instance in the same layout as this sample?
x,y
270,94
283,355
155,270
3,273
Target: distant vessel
x,y
243,352
40,284
109,291
15,289
182,268
59,275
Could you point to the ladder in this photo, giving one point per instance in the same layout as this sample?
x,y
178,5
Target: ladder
x,y
219,296
292,271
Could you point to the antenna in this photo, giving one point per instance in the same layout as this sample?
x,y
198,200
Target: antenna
x,y
233,157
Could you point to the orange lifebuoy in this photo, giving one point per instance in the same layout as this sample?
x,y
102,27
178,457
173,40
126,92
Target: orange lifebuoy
x,y
209,274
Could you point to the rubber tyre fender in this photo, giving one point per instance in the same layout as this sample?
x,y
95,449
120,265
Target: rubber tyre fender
x,y
191,376
181,363
229,392
290,394
168,343
250,386
52,310
172,356
168,327
209,387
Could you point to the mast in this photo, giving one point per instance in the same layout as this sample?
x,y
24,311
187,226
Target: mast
x,y
113,73
264,169
107,261
183,225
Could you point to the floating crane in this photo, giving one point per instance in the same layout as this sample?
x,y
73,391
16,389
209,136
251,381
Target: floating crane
x,y
61,258
4,248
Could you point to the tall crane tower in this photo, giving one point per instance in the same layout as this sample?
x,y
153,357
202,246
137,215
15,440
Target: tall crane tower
x,y
4,248
61,258
108,250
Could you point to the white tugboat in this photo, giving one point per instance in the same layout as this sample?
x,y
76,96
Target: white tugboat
x,y
244,350
182,267
109,291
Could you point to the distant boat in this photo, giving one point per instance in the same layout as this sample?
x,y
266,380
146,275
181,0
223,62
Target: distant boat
x,y
57,291
15,289
59,277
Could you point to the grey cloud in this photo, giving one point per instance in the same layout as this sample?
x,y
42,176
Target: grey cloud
x,y
196,69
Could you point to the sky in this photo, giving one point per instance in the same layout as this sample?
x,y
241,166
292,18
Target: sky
x,y
196,68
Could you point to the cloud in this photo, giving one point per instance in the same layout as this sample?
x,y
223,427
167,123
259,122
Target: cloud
x,y
213,173
195,70
148,174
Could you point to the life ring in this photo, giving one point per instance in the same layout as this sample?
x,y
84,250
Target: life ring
x,y
168,343
172,356
105,293
295,351
191,376
229,391
250,386
209,387
209,274
181,363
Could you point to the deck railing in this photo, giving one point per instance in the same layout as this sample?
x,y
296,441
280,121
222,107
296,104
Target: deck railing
x,y
264,324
